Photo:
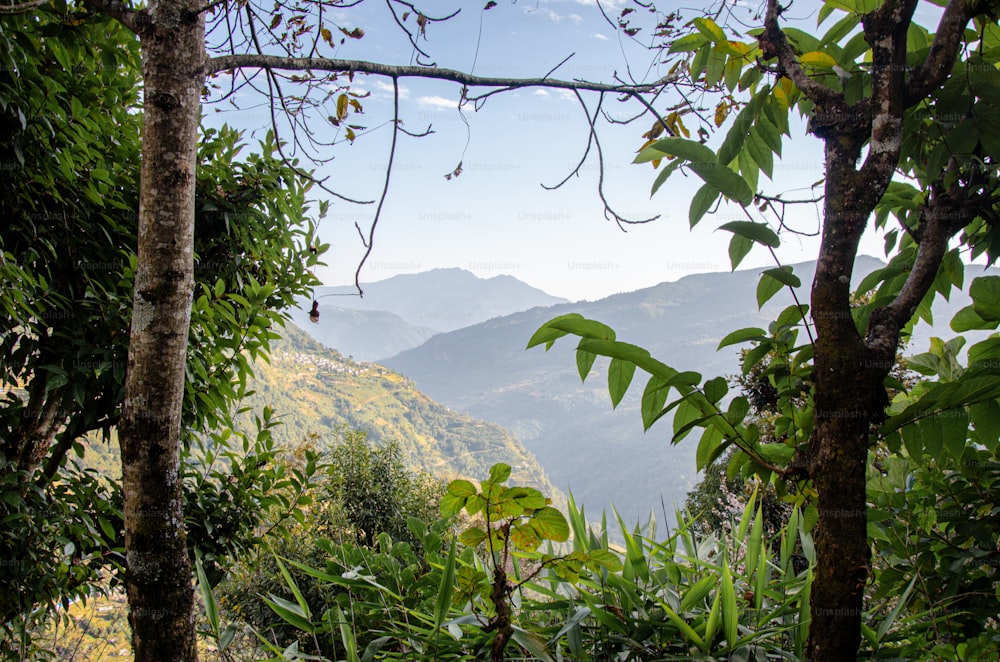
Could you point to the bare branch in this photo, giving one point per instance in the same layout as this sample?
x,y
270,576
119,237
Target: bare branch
x,y
22,8
370,242
609,211
277,62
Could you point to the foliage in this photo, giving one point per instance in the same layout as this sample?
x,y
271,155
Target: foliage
x,y
365,494
691,594
69,198
934,520
895,105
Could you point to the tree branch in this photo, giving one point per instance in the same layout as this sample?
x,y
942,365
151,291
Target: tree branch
x,y
885,31
117,10
774,39
251,60
22,8
944,51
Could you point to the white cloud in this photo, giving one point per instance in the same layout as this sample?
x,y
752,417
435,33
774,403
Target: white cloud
x,y
553,15
598,35
437,103
541,93
382,86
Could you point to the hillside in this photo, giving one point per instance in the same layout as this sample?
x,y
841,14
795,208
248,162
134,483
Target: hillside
x,y
603,454
315,390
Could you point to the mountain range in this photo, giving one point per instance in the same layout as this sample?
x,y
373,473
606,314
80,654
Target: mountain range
x,y
403,311
602,455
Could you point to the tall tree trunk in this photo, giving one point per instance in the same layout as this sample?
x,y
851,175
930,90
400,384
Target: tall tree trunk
x,y
159,581
849,396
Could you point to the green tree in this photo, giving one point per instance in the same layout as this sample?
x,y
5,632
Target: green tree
x,y
176,61
365,497
70,201
895,104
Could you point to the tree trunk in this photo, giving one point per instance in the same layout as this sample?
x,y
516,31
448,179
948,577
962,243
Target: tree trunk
x,y
849,396
159,580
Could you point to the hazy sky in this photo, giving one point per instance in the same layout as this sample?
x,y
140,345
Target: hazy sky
x,y
495,218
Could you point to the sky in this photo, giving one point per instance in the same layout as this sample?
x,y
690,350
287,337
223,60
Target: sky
x,y
495,217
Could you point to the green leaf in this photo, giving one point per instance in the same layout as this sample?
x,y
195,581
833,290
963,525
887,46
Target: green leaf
x,y
584,362
571,323
472,536
766,288
694,597
499,472
451,504
710,29
688,43
551,524
620,375
747,334
739,247
289,612
725,180
346,634
757,232
710,447
715,389
211,607
461,488
730,612
689,150
985,293
654,397
702,201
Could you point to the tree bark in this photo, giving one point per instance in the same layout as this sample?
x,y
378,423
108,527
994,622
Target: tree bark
x,y
158,578
847,388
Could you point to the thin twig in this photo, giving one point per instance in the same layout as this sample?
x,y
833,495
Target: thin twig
x,y
369,244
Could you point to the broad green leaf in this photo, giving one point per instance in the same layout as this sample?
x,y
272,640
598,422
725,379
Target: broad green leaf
x,y
739,248
461,488
725,180
683,148
551,524
472,536
710,447
702,201
525,538
710,29
688,43
985,293
748,334
756,232
499,472
767,287
451,504
584,362
817,59
571,323
761,154
715,389
620,375
654,397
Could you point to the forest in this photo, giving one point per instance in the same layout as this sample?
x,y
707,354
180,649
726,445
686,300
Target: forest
x,y
154,508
